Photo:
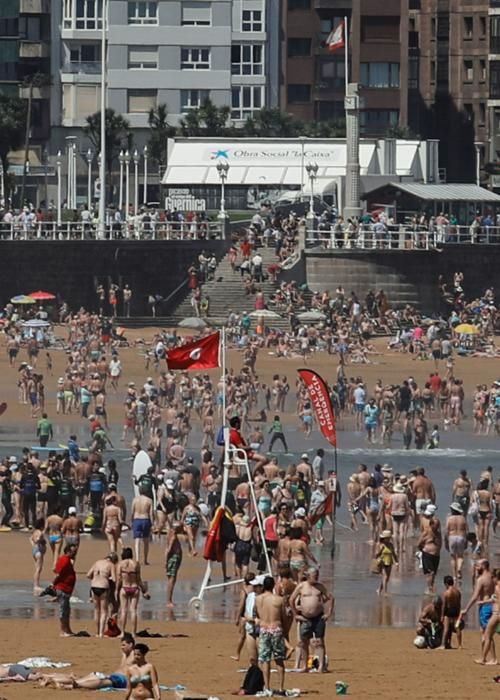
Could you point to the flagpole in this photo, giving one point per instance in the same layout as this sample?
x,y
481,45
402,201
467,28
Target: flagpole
x,y
346,46
334,504
227,460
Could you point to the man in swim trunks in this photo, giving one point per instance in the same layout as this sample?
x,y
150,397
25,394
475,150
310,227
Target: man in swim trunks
x,y
483,590
452,602
312,606
455,538
270,610
142,520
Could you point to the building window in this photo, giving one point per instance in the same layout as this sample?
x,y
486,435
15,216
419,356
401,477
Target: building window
x,y
9,57
468,27
82,14
299,93
192,99
80,101
482,113
141,101
251,21
469,111
332,74
377,121
143,12
8,26
245,100
330,110
246,59
299,47
30,28
482,26
482,71
494,80
195,59
145,57
433,71
380,29
84,58
327,25
380,75
433,28
196,14
299,4
495,34
468,70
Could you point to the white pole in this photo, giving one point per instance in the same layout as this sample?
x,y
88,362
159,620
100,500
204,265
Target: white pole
x,y
58,188
101,226
227,460
136,182
120,198
89,179
127,191
145,197
73,172
346,45
302,144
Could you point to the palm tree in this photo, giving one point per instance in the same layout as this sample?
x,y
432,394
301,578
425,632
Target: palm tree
x,y
161,131
207,120
118,135
12,129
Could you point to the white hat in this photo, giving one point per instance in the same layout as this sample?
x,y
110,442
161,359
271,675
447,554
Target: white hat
x,y
149,379
258,580
102,470
300,512
72,510
304,456
430,510
12,460
457,508
399,488
170,484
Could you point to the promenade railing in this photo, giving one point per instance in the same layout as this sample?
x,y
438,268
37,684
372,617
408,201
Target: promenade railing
x,y
403,237
132,231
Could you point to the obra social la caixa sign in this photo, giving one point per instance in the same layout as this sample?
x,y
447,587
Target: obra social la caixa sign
x,y
183,200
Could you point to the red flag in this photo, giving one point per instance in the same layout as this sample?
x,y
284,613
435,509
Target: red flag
x,y
324,508
320,399
336,39
200,354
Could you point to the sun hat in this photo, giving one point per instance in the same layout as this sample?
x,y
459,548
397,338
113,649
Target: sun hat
x,y
258,580
385,534
457,508
430,510
170,484
399,488
304,456
72,510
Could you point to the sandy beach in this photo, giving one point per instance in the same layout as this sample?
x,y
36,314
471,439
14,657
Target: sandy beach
x,y
375,663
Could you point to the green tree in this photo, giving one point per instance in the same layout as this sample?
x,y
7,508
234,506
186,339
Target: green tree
x,y
400,132
118,135
160,132
207,120
12,130
326,130
271,122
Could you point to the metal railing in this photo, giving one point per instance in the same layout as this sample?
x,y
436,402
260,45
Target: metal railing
x,y
142,231
403,237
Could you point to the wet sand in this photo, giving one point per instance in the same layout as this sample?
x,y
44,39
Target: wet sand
x,y
375,664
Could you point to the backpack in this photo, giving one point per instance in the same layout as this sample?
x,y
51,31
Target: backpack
x,y
220,437
254,681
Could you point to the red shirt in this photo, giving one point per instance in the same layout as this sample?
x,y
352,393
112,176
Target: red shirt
x,y
95,425
435,382
235,438
66,577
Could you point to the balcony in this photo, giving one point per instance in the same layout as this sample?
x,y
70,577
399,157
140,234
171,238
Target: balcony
x,y
79,67
39,93
34,7
34,49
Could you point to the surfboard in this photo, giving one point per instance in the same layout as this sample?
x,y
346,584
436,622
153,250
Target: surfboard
x,y
142,462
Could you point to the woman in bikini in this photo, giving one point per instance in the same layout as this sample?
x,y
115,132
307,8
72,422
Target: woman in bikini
x,y
53,530
130,585
142,677
300,554
100,575
38,549
112,522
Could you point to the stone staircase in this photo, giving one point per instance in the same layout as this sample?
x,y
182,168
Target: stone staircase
x,y
226,293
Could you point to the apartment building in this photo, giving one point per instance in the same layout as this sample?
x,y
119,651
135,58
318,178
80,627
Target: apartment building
x,y
176,52
313,80
24,53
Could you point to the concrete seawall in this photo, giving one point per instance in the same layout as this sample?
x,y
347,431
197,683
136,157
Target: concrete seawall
x,y
408,277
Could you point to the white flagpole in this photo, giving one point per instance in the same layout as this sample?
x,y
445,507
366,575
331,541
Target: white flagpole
x,y
227,460
346,46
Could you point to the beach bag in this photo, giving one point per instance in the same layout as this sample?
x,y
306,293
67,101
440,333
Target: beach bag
x,y
376,566
254,681
220,437
112,629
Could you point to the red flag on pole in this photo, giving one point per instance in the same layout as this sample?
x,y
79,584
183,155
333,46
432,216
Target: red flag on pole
x,y
321,402
199,354
324,508
336,39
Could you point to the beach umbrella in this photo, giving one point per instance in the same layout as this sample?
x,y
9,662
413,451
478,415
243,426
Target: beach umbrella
x,y
264,313
311,316
22,299
196,324
467,329
36,323
42,296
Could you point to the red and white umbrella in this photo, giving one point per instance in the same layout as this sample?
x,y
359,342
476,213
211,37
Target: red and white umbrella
x,y
42,296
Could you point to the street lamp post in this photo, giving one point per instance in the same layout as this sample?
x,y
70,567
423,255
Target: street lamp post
x,y
223,170
90,157
121,160
145,193
101,226
312,172
58,163
127,188
136,182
